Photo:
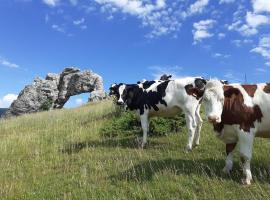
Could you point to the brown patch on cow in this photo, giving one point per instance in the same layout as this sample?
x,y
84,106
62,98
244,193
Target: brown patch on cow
x,y
250,89
236,112
230,147
266,88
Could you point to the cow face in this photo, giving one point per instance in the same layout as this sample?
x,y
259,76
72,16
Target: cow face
x,y
213,100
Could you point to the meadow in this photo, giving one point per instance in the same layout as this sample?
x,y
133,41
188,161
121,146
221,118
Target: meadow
x,y
61,155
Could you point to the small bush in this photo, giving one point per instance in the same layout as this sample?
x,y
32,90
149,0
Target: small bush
x,y
128,123
47,105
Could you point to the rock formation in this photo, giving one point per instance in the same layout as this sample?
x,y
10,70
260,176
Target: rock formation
x,y
55,90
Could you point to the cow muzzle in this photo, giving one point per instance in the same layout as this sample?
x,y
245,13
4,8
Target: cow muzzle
x,y
214,119
120,103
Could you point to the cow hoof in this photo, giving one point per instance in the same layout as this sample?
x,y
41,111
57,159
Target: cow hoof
x,y
226,171
141,144
188,150
245,182
196,146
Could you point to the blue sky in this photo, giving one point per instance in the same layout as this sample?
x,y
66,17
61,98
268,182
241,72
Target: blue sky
x,y
129,40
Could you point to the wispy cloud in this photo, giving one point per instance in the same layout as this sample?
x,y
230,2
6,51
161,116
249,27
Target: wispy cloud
x,y
79,102
58,28
220,55
7,63
6,101
157,71
233,77
79,21
51,3
263,48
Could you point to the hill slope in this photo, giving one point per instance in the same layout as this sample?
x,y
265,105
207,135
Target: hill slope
x,y
60,155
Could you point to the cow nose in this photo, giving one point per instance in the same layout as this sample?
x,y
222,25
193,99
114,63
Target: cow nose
x,y
120,103
213,119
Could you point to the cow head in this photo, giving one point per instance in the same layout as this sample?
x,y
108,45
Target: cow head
x,y
196,89
117,90
213,99
165,77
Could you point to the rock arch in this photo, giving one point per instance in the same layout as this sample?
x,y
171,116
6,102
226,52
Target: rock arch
x,y
55,90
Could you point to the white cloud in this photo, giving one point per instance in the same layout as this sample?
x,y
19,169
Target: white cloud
x,y
58,28
78,22
260,70
254,20
267,63
79,102
51,3
226,1
134,7
261,6
249,27
162,19
7,100
221,35
263,48
219,55
6,63
201,30
73,2
198,6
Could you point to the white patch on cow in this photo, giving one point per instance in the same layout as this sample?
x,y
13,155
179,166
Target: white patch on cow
x,y
121,90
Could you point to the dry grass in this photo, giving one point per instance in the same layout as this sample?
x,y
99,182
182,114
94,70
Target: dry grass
x,y
59,155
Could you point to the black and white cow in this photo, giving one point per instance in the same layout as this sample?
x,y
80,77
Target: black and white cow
x,y
238,114
165,99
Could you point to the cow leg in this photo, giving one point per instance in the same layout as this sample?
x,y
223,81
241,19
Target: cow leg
x,y
229,159
191,130
199,125
246,145
145,126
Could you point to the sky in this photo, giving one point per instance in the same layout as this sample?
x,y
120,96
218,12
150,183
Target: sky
x,y
131,40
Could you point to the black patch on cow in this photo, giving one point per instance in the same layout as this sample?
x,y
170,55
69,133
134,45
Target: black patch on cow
x,y
147,84
137,98
196,89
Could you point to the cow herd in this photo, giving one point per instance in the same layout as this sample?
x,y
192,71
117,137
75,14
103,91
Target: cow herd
x,y
238,112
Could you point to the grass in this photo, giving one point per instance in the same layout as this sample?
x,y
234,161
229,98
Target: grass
x,y
60,155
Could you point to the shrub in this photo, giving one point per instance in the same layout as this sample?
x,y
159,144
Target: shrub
x,y
46,105
127,123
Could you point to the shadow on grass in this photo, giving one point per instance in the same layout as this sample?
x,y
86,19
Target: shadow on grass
x,y
127,142
208,168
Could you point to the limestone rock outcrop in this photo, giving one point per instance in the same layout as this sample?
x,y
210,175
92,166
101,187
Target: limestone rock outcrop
x,y
55,90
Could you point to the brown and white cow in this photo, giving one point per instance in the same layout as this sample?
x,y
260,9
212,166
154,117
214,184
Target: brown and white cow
x,y
238,113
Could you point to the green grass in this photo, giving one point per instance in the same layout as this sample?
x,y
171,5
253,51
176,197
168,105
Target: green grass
x,y
60,155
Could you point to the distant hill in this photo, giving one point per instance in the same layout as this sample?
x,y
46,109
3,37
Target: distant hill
x,y
2,111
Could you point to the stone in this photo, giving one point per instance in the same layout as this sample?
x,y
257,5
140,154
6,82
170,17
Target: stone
x,y
55,90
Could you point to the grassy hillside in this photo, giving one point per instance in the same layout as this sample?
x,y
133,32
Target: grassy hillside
x,y
60,155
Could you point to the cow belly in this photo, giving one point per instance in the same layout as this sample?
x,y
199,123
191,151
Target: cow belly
x,y
263,134
165,112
